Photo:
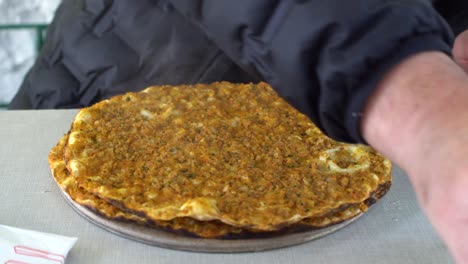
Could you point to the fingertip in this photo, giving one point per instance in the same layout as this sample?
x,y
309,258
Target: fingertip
x,y
460,50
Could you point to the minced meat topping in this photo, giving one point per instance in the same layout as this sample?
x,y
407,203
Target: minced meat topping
x,y
232,152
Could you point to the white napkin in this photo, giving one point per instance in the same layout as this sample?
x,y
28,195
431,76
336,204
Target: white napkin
x,y
20,246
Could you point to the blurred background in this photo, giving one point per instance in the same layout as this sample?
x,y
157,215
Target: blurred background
x,y
23,24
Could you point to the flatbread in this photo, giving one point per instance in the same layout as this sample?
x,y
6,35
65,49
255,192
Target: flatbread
x,y
185,225
235,153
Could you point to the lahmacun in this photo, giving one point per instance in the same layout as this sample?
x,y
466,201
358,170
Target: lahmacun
x,y
236,153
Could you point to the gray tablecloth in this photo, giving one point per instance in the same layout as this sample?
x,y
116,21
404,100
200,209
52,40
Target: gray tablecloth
x,y
393,231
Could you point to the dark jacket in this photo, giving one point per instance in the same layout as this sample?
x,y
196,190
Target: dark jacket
x,y
324,57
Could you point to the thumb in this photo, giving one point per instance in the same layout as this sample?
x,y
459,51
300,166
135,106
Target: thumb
x,y
460,50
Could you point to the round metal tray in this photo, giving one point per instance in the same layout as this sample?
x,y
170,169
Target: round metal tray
x,y
161,238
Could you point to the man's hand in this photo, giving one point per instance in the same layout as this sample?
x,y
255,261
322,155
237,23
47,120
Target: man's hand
x,y
418,117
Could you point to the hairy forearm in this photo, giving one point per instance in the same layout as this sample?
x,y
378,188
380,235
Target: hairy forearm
x,y
418,117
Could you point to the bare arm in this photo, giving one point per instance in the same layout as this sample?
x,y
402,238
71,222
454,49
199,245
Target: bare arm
x,y
418,117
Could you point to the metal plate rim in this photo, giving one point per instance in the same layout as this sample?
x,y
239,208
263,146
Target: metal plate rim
x,y
164,239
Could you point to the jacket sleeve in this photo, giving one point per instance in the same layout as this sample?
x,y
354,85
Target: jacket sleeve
x,y
324,57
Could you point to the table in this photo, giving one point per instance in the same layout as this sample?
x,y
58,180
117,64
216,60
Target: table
x,y
393,231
